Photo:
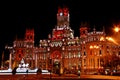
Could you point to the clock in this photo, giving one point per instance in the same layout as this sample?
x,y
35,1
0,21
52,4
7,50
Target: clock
x,y
56,55
58,34
61,14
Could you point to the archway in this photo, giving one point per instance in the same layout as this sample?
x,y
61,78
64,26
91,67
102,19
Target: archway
x,y
56,66
56,59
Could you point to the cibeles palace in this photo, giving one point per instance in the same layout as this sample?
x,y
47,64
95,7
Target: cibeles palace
x,y
62,50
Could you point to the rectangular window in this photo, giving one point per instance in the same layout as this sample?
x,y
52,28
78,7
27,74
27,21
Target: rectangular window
x,y
90,52
98,62
84,62
100,52
19,55
84,54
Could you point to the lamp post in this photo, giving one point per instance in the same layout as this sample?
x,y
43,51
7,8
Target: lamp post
x,y
117,29
10,55
27,68
117,33
50,68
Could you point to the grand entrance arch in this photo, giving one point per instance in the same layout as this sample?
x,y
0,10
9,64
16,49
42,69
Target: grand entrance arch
x,y
56,61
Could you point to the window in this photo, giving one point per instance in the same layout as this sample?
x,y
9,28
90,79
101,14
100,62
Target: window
x,y
84,53
90,52
84,62
100,52
107,47
98,62
79,54
19,55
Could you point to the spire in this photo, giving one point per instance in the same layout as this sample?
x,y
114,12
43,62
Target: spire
x,y
94,29
49,36
104,30
63,16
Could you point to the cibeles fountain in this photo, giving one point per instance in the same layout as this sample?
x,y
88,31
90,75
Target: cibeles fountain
x,y
23,68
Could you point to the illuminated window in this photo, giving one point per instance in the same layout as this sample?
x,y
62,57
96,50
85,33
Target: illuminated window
x,y
79,54
94,38
70,55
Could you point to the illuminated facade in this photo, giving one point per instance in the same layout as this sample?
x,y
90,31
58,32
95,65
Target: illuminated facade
x,y
96,49
62,50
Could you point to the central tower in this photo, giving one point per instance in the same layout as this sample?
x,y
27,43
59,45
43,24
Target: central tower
x,y
62,30
63,17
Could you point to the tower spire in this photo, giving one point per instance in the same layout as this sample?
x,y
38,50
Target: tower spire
x,y
83,29
94,29
63,16
104,30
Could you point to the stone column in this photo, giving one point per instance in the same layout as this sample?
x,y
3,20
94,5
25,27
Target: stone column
x,y
61,66
36,60
10,60
99,63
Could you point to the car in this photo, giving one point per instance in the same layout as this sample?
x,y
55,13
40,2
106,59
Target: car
x,y
116,72
107,72
78,72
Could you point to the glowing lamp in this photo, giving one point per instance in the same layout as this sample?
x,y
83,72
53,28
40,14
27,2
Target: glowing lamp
x,y
116,29
61,14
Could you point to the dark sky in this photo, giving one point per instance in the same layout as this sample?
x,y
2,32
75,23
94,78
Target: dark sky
x,y
17,16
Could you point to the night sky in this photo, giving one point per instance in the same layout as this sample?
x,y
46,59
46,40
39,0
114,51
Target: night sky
x,y
16,17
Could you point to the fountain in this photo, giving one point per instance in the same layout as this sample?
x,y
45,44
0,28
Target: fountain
x,y
24,69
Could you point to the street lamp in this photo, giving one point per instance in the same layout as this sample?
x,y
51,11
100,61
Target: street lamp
x,y
112,40
50,68
117,33
11,50
116,29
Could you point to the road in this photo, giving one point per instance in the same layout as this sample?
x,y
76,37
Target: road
x,y
57,77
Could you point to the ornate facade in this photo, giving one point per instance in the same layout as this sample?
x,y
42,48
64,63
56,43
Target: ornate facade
x,y
96,49
62,50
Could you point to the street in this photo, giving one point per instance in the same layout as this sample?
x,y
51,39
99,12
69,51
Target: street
x,y
57,77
